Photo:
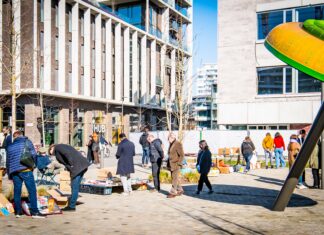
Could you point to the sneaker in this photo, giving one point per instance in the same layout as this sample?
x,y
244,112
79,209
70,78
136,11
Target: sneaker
x,y
210,192
301,186
38,216
68,209
18,215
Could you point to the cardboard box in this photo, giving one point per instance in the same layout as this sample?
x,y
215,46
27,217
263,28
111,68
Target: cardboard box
x,y
224,170
104,173
65,186
64,176
62,201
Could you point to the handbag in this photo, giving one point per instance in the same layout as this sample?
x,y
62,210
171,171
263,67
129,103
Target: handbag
x,y
26,157
198,166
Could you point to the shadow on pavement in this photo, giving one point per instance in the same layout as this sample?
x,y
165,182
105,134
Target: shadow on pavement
x,y
246,195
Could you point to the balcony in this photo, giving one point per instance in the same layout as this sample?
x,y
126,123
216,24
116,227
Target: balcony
x,y
183,11
155,31
170,2
173,41
174,26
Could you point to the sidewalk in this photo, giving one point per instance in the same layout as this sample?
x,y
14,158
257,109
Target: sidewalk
x,y
240,205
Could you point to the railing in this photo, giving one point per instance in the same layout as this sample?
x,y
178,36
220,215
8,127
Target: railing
x,y
174,25
170,2
155,31
173,41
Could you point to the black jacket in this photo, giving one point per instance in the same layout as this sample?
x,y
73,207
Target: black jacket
x,y
143,140
205,161
72,159
247,148
125,155
156,150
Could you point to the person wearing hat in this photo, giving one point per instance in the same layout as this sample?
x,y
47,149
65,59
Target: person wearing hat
x,y
44,162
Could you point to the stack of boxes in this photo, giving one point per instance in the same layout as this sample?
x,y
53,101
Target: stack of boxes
x,y
65,182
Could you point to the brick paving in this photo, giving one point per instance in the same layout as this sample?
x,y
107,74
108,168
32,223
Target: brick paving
x,y
240,205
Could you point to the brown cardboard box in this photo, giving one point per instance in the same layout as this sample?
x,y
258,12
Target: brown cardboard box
x,y
104,173
65,186
61,201
224,170
64,176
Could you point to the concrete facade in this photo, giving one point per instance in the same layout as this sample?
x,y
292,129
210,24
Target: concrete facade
x,y
240,53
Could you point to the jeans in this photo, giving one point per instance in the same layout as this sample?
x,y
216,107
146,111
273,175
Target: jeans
x,y
146,155
247,159
127,183
268,155
156,166
75,187
279,157
316,177
204,179
28,179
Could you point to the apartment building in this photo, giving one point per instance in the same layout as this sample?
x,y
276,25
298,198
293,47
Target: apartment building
x,y
257,90
204,97
95,65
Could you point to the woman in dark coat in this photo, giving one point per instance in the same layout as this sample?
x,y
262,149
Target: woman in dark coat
x,y
90,153
125,154
204,163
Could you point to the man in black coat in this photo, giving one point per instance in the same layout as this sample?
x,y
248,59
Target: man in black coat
x,y
75,163
156,157
125,155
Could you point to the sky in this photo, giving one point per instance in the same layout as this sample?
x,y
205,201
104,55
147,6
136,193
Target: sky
x,y
204,32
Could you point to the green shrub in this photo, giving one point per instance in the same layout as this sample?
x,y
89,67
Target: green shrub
x,y
192,177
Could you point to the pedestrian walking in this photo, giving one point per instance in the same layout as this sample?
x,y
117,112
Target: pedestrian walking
x,y
314,163
247,148
280,147
267,145
20,174
204,163
95,148
125,167
176,156
145,147
90,156
301,140
156,157
293,150
76,164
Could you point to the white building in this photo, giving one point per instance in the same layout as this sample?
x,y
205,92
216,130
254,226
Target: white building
x,y
99,64
257,90
204,99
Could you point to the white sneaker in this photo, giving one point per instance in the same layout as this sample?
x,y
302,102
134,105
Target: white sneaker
x,y
301,186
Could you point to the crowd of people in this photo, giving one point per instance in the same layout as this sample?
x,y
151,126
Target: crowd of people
x,y
62,156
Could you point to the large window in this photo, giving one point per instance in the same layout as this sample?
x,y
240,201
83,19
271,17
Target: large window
x,y
268,20
282,80
51,117
133,14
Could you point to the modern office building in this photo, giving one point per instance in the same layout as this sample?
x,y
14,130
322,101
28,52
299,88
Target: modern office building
x,y
257,90
204,98
98,65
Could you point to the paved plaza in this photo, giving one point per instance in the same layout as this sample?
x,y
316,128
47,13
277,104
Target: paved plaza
x,y
240,205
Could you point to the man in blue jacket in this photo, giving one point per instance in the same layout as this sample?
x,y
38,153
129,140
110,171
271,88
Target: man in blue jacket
x,y
22,174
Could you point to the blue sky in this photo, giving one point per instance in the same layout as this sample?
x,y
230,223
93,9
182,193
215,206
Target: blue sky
x,y
204,32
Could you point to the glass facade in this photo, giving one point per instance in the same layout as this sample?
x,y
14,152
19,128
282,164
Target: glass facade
x,y
132,14
51,118
268,20
282,80
76,128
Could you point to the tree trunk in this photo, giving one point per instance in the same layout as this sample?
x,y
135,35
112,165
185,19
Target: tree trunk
x,y
13,104
41,103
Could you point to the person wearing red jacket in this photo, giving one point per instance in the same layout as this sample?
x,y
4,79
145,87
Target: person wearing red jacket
x,y
279,145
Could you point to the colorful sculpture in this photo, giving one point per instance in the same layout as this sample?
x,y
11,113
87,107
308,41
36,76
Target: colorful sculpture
x,y
300,45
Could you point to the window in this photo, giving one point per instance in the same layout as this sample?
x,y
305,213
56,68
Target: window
x,y
70,21
103,59
82,55
282,80
310,13
103,88
307,83
82,84
70,52
93,28
133,14
41,77
70,83
82,26
267,21
41,42
42,11
56,16
56,80
56,49
270,80
93,59
93,85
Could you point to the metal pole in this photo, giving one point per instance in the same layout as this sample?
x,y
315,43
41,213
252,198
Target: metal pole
x,y
122,118
300,163
211,108
322,145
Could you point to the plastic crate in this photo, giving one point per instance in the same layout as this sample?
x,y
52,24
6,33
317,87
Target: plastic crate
x,y
84,188
100,190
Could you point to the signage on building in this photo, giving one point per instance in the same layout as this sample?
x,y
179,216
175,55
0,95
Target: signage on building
x,y
100,128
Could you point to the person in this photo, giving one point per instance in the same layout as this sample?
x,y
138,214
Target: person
x,y
247,148
279,145
125,167
176,156
76,164
156,157
301,140
204,163
7,137
95,148
314,163
293,150
145,147
22,174
44,162
267,145
90,156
